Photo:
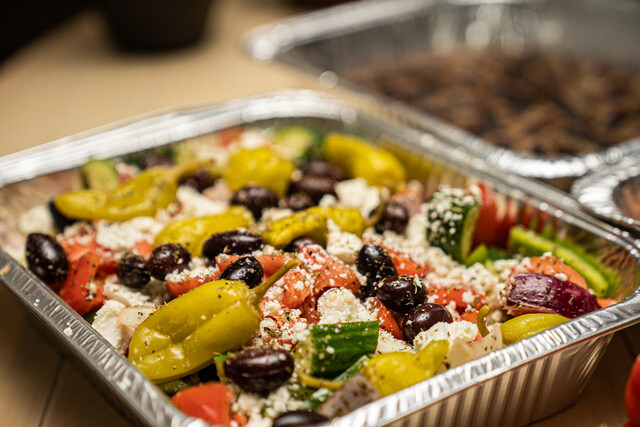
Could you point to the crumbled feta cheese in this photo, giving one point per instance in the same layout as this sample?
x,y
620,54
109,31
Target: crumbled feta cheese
x,y
341,244
461,330
339,305
461,352
195,204
121,236
198,267
327,200
107,325
387,343
37,220
124,295
253,138
262,410
355,193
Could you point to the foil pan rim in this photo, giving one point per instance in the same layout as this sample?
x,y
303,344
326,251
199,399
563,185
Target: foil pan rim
x,y
270,42
153,408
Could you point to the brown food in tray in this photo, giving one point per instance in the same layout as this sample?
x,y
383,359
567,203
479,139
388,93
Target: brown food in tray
x,y
542,103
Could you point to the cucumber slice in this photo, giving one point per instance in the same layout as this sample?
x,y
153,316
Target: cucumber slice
x,y
529,243
99,175
479,254
172,387
452,215
297,143
331,349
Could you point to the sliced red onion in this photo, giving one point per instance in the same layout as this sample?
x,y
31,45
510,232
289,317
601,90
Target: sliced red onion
x,y
543,293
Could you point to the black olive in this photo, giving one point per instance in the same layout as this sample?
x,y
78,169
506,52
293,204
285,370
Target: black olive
x,y
60,219
132,271
320,168
375,264
401,293
299,418
299,243
259,370
395,217
422,318
246,269
46,258
234,242
298,201
199,180
314,186
255,198
167,258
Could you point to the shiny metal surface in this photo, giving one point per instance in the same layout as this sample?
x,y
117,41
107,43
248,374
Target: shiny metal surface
x,y
602,192
331,43
516,385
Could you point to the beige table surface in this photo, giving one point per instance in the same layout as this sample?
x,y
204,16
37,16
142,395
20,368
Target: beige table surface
x,y
73,80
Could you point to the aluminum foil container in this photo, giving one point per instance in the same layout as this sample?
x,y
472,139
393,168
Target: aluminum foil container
x,y
610,192
334,42
523,382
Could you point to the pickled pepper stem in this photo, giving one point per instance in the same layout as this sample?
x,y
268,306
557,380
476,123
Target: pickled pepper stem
x,y
262,288
482,326
377,215
314,382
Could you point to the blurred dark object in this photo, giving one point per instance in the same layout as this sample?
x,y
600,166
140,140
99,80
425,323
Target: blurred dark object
x,y
151,25
317,3
21,21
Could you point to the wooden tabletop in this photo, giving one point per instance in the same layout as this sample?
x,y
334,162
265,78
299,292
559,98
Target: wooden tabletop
x,y
72,80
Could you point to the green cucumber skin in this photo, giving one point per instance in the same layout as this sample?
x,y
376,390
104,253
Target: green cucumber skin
x,y
322,394
172,387
333,348
461,217
99,175
529,243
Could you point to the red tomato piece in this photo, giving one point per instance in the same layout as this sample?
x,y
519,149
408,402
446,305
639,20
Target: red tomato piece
x,y
446,295
329,271
295,289
488,222
142,248
179,288
210,402
632,395
74,289
385,319
553,265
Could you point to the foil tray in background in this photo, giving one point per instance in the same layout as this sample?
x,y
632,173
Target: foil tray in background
x,y
608,192
523,382
333,42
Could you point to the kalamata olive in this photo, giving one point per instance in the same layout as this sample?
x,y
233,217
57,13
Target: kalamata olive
x,y
60,219
234,242
299,418
395,217
132,271
255,198
46,258
375,264
422,318
246,269
401,293
299,243
199,180
298,201
167,258
314,186
320,168
259,370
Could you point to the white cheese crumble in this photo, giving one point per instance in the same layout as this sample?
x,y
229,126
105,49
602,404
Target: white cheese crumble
x,y
126,296
461,330
339,305
355,193
37,220
195,204
121,236
106,323
342,245
387,343
261,410
461,352
198,267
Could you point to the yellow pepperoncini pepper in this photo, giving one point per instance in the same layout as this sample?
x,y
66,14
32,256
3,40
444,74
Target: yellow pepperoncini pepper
x,y
361,159
143,195
312,222
526,325
391,372
259,166
192,232
183,335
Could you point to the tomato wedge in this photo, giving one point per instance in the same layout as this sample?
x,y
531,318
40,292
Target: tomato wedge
x,y
210,402
75,291
385,318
